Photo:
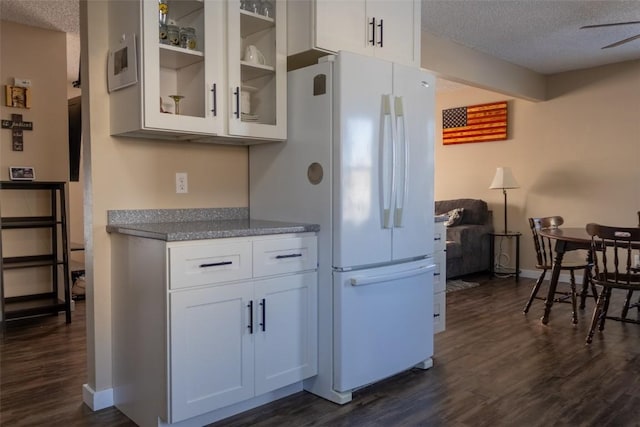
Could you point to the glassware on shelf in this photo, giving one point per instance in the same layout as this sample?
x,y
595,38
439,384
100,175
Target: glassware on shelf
x,y
188,38
163,11
266,9
176,100
163,34
173,35
252,6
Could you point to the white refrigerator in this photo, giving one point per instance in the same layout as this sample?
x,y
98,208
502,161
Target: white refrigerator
x,y
358,161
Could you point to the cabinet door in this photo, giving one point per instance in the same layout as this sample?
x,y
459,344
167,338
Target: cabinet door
x,y
211,350
193,74
257,83
343,25
398,36
286,340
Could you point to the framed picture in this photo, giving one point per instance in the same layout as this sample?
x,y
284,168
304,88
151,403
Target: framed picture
x,y
22,173
17,96
122,66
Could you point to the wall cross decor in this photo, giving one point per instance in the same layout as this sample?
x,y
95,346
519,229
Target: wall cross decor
x,y
17,126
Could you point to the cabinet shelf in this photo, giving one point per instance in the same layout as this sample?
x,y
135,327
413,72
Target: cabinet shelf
x,y
253,71
251,23
175,57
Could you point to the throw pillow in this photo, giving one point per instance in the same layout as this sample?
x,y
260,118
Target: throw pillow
x,y
455,217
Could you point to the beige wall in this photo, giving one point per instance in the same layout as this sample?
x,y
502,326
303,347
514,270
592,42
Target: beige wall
x,y
40,56
125,173
576,155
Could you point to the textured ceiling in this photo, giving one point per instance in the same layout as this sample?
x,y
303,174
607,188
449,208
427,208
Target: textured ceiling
x,y
542,35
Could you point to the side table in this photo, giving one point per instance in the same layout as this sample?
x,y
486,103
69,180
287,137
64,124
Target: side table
x,y
508,235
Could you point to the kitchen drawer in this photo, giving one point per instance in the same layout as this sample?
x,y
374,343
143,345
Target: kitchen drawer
x,y
439,311
214,262
439,274
285,255
439,237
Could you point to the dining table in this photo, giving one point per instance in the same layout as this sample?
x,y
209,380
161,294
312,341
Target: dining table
x,y
566,239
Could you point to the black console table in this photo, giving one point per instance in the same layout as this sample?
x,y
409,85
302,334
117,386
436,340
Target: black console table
x,y
509,235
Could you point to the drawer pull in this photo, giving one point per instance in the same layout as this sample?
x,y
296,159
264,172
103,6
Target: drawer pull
x,y
437,239
216,264
436,315
288,256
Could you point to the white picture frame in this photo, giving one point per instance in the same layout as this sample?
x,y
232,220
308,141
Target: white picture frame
x,y
122,64
22,173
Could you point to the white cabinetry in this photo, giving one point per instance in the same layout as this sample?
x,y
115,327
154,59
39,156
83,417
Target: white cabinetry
x,y
240,316
209,78
439,276
385,29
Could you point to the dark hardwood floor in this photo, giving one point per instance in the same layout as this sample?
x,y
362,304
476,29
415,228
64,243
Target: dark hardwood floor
x,y
494,366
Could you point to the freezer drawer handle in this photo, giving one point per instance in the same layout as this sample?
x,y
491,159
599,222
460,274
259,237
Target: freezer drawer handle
x,y
360,281
216,264
288,256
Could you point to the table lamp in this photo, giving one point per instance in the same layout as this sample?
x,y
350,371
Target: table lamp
x,y
504,179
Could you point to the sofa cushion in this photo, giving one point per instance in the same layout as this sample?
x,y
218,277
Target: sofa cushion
x,y
476,211
455,217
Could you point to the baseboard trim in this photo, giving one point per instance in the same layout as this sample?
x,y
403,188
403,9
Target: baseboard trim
x,y
97,400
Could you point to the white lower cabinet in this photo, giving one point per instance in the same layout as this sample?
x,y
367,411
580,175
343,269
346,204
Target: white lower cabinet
x,y
440,276
232,342
232,331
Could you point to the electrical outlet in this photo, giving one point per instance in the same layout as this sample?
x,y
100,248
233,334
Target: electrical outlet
x,y
181,182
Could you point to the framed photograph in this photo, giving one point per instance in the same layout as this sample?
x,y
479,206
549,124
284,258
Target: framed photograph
x,y
122,66
22,173
17,96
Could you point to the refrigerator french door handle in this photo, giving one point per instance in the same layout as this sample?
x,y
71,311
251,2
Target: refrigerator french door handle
x,y
403,174
388,173
370,280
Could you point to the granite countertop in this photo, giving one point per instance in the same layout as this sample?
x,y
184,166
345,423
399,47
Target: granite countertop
x,y
197,224
215,229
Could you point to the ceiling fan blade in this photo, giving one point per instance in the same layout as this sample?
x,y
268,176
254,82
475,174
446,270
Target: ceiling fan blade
x,y
627,40
610,25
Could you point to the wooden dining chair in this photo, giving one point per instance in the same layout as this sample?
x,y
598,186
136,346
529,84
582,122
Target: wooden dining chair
x,y
627,302
545,256
613,249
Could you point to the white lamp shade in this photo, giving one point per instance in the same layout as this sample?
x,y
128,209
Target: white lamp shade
x,y
503,179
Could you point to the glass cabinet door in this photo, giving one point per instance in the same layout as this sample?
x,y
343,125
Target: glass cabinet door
x,y
183,67
257,68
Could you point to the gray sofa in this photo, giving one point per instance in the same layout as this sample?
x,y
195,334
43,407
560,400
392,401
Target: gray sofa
x,y
468,237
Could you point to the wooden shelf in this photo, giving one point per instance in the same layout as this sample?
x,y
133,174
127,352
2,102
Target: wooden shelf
x,y
30,305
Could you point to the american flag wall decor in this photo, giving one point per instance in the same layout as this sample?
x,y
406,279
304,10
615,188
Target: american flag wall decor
x,y
475,123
